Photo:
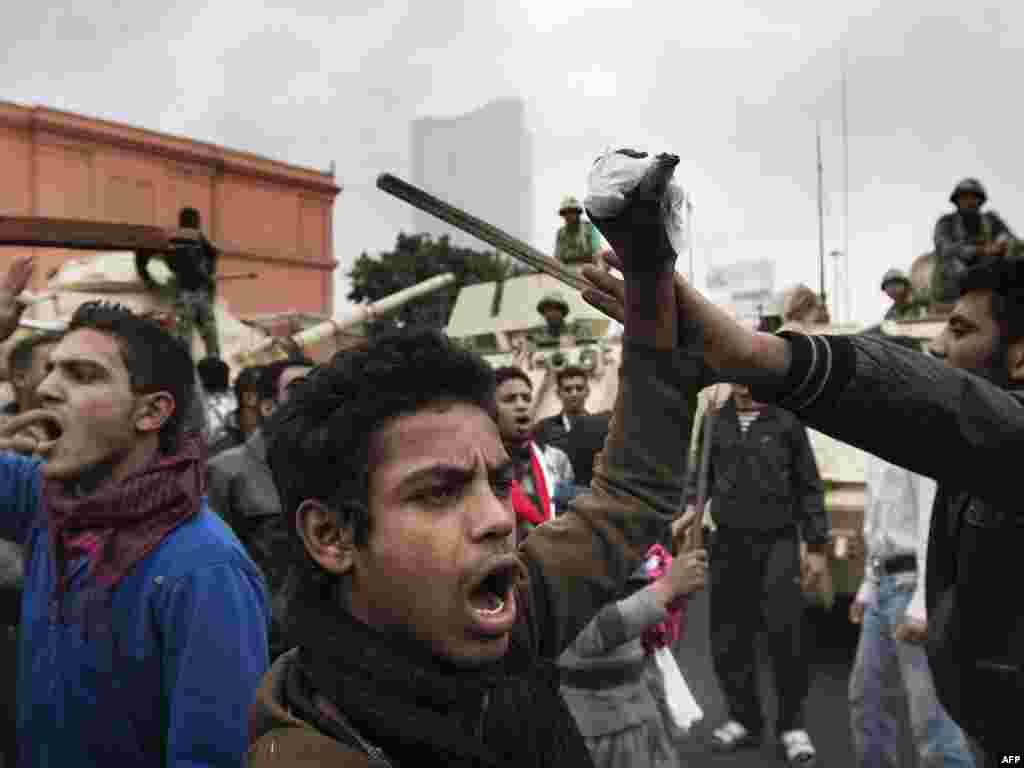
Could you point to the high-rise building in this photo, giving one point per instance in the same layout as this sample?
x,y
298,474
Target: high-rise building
x,y
480,162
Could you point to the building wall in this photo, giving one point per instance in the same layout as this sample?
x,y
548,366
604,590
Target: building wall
x,y
268,217
481,162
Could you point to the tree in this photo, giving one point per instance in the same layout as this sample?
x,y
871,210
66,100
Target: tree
x,y
417,258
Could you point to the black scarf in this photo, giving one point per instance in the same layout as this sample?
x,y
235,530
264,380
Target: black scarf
x,y
422,710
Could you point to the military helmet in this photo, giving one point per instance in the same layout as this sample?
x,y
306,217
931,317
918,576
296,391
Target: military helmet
x,y
553,299
570,203
894,276
969,185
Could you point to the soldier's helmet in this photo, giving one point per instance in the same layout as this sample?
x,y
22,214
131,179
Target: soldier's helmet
x,y
895,276
570,203
969,185
553,300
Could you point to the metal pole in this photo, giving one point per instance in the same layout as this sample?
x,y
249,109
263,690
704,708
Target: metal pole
x,y
846,195
821,222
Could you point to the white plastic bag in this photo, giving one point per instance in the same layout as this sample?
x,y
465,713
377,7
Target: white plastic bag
x,y
681,705
614,177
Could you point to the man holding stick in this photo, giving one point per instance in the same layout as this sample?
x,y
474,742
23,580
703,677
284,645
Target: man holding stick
x,y
961,423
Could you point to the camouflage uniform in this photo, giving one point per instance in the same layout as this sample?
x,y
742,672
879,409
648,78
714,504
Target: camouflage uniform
x,y
194,286
575,246
957,241
911,309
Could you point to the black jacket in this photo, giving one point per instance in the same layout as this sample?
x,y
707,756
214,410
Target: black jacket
x,y
581,444
766,479
968,434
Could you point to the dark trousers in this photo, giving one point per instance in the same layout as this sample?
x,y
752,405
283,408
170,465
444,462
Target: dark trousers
x,y
754,583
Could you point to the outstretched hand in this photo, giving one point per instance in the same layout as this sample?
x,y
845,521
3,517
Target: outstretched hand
x,y
14,282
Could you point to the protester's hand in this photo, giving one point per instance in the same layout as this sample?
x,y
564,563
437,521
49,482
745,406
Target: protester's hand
x,y
25,434
856,612
687,574
682,529
13,283
912,631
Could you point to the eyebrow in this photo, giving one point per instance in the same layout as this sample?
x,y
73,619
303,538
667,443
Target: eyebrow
x,y
456,472
70,361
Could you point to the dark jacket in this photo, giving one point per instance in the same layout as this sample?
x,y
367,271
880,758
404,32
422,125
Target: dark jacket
x,y
581,444
766,479
241,490
956,249
577,562
968,434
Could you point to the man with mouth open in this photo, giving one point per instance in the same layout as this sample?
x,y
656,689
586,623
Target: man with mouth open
x,y
423,635
143,621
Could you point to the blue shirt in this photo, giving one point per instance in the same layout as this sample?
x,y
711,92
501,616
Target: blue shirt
x,y
170,682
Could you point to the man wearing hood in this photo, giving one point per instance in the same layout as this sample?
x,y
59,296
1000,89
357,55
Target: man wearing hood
x,y
143,622
965,238
424,635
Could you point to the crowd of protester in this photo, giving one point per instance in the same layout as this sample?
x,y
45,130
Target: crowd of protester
x,y
385,559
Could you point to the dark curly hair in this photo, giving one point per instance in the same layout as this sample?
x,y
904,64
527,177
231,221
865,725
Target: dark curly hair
x,y
509,372
156,360
319,440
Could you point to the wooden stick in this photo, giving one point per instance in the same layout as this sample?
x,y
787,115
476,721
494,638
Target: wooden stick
x,y
74,234
479,228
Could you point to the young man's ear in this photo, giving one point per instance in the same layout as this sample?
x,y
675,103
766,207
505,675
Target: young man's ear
x,y
267,408
329,544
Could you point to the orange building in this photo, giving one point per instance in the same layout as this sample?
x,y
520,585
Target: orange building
x,y
268,217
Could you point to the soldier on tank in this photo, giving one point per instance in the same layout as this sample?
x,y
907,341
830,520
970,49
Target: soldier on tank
x,y
577,242
897,286
556,333
965,238
193,262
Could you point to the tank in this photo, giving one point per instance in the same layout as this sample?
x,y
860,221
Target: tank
x,y
502,323
111,276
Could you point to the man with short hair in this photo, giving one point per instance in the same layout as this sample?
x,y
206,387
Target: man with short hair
x,y
424,636
576,431
144,623
965,238
960,423
220,401
245,419
242,489
540,469
768,500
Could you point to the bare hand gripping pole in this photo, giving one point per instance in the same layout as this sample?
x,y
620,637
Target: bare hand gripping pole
x,y
500,239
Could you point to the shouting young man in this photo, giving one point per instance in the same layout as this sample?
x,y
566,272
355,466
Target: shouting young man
x,y
143,622
425,637
960,422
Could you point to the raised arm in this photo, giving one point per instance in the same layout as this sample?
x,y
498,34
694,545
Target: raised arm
x,y
873,394
580,561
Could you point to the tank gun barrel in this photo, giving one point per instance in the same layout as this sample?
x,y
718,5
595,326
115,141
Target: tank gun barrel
x,y
270,348
479,228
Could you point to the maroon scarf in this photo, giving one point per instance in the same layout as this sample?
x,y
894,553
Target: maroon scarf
x,y
122,523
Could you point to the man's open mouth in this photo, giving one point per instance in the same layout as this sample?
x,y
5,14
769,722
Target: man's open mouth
x,y
491,591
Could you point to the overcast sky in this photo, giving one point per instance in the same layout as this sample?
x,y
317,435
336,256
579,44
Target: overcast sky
x,y
734,89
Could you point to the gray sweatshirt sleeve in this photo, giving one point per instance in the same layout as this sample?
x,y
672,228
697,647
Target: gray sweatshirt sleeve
x,y
618,623
912,410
